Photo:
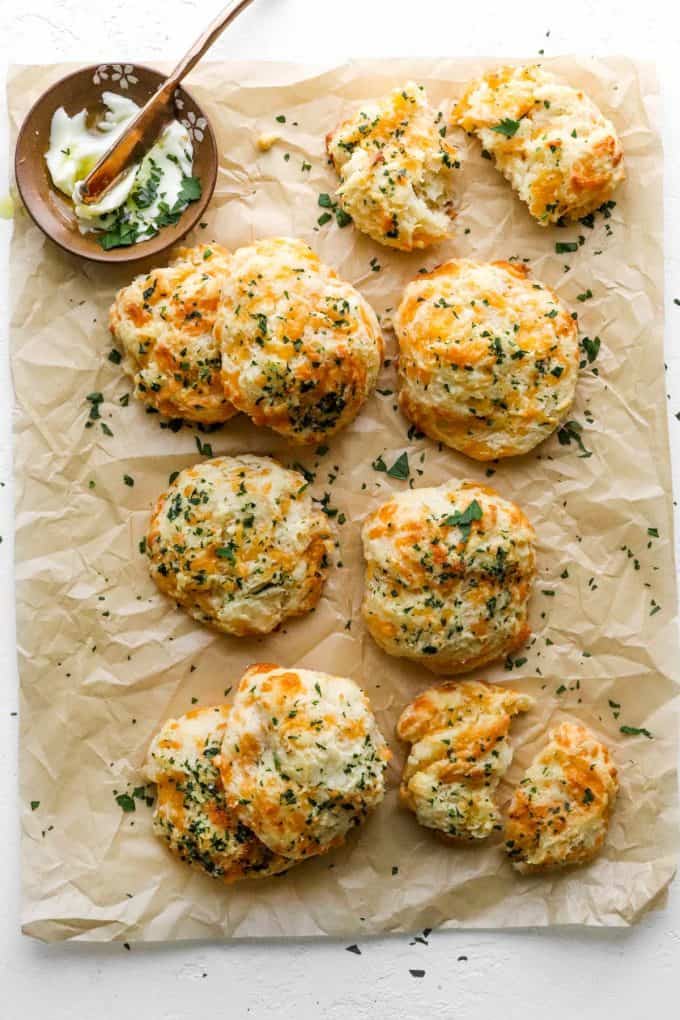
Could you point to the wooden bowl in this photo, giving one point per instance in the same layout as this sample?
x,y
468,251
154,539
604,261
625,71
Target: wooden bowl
x,y
52,211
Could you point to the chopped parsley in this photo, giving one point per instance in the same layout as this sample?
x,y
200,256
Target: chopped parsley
x,y
342,218
205,449
507,127
227,552
591,348
463,518
636,731
126,802
400,468
571,432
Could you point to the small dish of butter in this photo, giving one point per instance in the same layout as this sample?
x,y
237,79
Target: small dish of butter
x,y
152,204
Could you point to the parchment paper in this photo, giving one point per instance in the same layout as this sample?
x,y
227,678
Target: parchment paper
x,y
104,658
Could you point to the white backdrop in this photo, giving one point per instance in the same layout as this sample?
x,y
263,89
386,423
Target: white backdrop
x,y
468,976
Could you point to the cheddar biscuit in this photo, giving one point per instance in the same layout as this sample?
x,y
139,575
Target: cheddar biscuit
x,y
396,170
560,154
449,572
488,357
560,811
460,753
301,349
191,814
239,544
164,323
303,758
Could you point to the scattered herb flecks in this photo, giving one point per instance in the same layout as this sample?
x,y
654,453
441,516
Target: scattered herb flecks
x,y
571,432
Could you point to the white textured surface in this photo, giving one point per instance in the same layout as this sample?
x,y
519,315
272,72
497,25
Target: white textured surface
x,y
468,976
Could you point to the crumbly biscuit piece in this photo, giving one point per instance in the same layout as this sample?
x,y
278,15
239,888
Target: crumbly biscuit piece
x,y
560,811
396,170
460,753
561,155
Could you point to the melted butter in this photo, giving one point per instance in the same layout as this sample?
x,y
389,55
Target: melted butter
x,y
148,196
6,207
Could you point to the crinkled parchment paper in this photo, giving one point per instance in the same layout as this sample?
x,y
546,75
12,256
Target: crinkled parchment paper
x,y
104,658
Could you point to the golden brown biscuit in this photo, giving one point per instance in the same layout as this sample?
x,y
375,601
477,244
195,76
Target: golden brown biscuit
x,y
449,572
191,814
488,357
301,349
460,753
561,155
396,170
303,758
239,544
164,322
560,811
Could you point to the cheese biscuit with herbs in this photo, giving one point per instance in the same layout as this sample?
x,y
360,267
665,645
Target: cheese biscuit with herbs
x,y
164,323
449,573
239,544
460,752
488,357
303,758
560,812
396,170
191,813
559,152
301,349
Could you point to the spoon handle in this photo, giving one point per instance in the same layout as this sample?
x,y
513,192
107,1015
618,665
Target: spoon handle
x,y
205,41
144,129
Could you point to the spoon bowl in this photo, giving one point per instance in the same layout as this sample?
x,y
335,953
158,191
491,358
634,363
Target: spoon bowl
x,y
52,211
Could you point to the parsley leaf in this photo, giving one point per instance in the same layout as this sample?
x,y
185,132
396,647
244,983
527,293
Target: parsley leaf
x,y
636,731
126,802
400,468
205,449
591,348
571,431
463,518
226,552
121,235
190,190
507,127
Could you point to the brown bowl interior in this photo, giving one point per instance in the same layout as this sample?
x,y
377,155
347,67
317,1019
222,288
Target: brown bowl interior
x,y
51,210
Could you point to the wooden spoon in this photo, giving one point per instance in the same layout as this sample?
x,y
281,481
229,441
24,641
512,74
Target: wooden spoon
x,y
143,131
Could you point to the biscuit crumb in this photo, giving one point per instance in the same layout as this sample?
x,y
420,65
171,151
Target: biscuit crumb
x,y
267,140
